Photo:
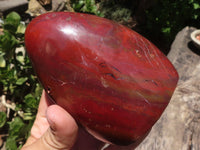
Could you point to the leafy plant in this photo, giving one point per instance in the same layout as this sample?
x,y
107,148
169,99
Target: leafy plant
x,y
18,83
3,119
86,6
168,17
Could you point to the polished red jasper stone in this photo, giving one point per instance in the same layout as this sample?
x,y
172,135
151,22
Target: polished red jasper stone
x,y
112,80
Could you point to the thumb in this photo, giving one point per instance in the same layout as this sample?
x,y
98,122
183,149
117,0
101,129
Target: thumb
x,y
61,134
63,129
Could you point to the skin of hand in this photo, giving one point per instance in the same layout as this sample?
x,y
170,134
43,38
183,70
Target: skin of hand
x,y
55,129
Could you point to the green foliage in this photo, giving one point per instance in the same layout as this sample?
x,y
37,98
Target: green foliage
x,y
17,81
86,6
12,22
2,119
168,17
18,131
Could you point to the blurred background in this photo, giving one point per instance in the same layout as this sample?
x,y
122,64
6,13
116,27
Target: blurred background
x,y
157,20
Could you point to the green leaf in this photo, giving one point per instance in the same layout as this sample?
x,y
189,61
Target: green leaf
x,y
7,41
30,101
21,80
195,16
2,61
166,30
88,6
11,143
21,28
78,5
38,90
12,21
196,5
20,58
20,147
27,128
2,119
16,126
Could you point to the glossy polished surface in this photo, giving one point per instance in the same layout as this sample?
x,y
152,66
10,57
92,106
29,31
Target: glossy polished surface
x,y
113,81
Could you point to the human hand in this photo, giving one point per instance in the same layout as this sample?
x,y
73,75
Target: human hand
x,y
53,129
